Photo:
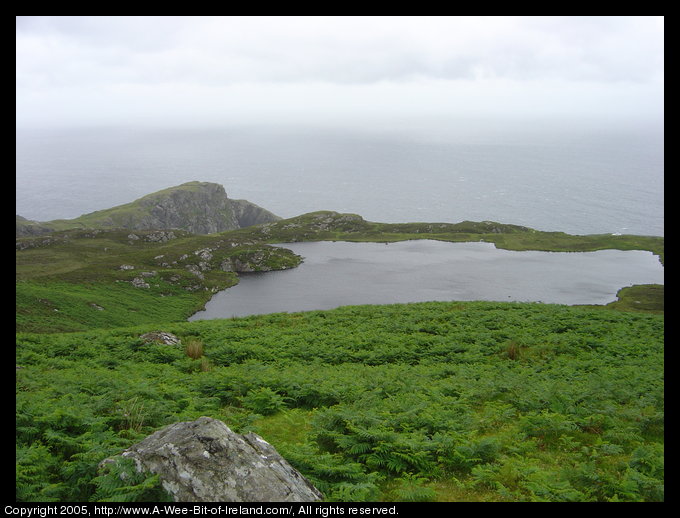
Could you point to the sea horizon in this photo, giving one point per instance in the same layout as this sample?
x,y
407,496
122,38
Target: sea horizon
x,y
574,178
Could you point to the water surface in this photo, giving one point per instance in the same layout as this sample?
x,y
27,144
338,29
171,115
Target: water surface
x,y
340,273
554,177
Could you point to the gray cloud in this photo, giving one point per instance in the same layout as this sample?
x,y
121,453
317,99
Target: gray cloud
x,y
137,66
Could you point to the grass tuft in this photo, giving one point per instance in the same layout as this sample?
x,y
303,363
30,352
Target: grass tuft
x,y
194,349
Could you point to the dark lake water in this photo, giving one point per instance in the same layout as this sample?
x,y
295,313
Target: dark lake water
x,y
340,273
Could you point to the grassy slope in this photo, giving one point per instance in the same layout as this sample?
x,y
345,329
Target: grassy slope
x,y
641,298
443,401
472,401
74,281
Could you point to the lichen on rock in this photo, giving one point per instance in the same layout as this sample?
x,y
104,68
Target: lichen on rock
x,y
162,337
205,461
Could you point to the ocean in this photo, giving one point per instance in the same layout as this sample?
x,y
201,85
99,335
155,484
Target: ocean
x,y
548,176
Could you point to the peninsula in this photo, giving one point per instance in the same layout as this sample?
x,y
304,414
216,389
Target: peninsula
x,y
197,207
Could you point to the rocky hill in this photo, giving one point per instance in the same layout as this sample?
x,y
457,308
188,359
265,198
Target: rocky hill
x,y
197,207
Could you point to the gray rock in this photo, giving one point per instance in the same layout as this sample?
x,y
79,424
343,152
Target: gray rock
x,y
27,227
160,236
160,337
138,282
204,461
199,207
247,213
204,253
196,270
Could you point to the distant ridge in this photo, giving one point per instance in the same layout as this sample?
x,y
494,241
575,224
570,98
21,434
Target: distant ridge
x,y
197,207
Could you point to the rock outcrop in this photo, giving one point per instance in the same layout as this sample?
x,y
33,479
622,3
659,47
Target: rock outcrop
x,y
204,461
27,227
160,337
197,207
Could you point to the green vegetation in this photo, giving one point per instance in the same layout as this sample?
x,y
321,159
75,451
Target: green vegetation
x,y
77,280
418,402
647,298
129,215
72,280
328,226
432,401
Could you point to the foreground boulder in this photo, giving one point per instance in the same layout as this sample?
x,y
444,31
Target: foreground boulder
x,y
204,461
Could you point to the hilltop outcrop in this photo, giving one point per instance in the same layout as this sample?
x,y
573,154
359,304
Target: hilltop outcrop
x,y
197,207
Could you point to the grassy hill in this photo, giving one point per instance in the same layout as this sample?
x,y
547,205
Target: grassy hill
x,y
198,207
450,401
76,280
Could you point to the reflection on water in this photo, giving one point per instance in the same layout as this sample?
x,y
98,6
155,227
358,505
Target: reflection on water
x,y
339,273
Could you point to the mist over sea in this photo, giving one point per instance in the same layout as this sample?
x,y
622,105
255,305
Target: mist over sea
x,y
580,179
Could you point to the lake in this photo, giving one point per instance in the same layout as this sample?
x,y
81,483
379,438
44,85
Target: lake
x,y
336,274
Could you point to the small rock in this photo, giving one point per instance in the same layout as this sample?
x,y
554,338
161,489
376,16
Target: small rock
x,y
204,253
196,270
161,337
161,236
138,282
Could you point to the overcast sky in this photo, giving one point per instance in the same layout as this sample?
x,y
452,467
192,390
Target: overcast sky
x,y
344,70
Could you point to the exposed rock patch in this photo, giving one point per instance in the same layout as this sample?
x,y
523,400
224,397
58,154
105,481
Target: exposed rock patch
x,y
204,461
161,337
138,282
